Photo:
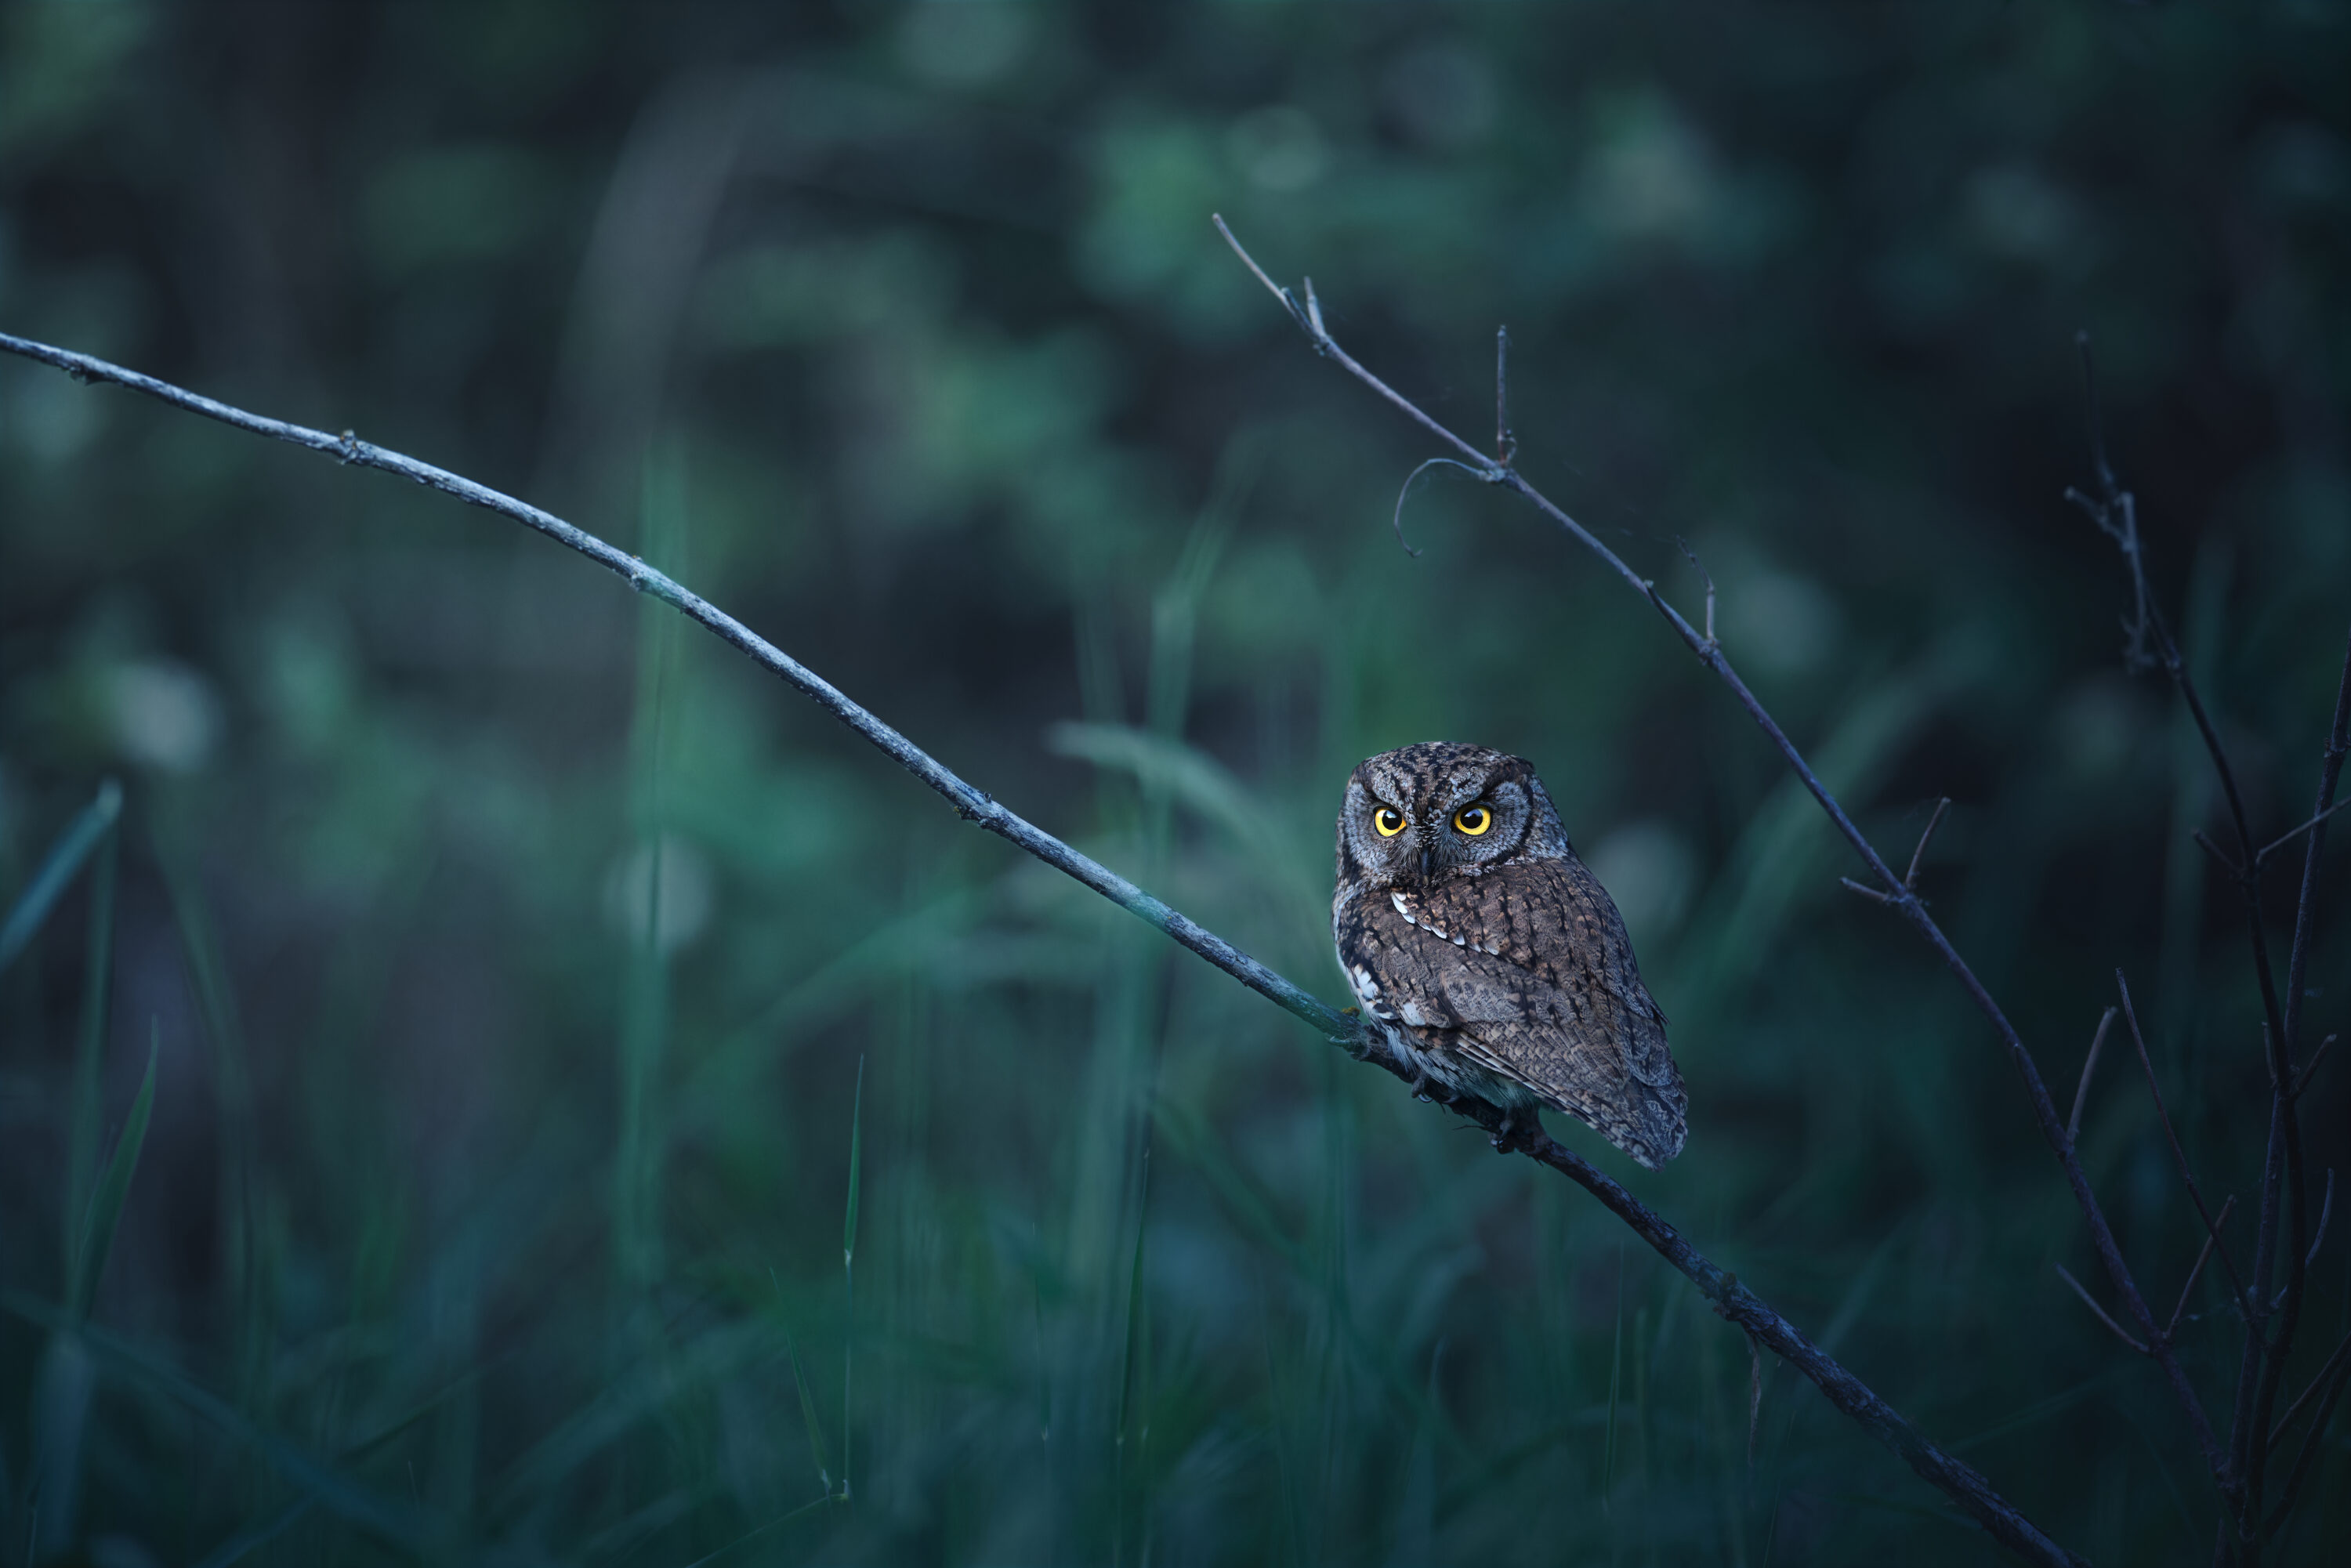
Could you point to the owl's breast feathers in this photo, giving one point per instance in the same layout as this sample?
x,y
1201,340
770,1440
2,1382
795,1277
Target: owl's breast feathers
x,y
1525,971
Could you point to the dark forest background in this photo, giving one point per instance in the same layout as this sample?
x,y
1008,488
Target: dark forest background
x,y
533,983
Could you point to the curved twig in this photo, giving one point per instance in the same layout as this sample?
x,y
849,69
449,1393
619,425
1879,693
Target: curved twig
x,y
1406,490
1731,1300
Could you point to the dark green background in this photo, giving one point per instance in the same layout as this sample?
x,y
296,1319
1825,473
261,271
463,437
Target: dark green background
x,y
901,333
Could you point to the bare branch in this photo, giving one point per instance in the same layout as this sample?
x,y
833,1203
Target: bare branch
x,y
2179,1155
1911,877
1706,577
2203,1255
2120,1333
1869,892
2326,1212
1731,1299
2333,1364
2310,1068
2089,1066
1506,444
2053,1129
2310,1443
2293,833
2236,872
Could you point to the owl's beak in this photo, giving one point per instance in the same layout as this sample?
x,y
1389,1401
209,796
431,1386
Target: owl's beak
x,y
1427,859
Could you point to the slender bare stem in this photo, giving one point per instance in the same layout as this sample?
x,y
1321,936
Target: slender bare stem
x,y
2203,1256
1506,444
2090,1301
2294,833
1896,896
1731,1300
2310,1068
1911,877
2089,1066
2318,1231
2179,1155
2318,1382
1706,577
2236,872
2310,1445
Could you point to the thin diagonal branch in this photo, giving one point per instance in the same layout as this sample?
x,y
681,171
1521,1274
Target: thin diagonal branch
x,y
1710,654
2310,1068
2317,1381
2292,834
1911,877
1733,1299
2091,1302
2195,1271
2311,1442
2179,1156
2089,1066
2318,1231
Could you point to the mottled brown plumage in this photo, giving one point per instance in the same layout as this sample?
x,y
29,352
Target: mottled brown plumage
x,y
1492,961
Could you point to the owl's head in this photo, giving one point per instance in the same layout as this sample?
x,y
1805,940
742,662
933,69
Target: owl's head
x,y
1438,809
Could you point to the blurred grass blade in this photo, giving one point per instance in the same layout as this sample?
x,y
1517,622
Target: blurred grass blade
x,y
74,846
750,1536
856,1139
849,1271
98,975
253,1537
62,1389
106,1205
808,1400
1615,1387
394,1521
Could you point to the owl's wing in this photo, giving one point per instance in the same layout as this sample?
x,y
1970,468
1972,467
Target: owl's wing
x,y
1528,969
1553,920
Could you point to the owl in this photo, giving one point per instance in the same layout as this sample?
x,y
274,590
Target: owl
x,y
1488,959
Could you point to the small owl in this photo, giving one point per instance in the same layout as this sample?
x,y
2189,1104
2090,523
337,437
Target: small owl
x,y
1491,960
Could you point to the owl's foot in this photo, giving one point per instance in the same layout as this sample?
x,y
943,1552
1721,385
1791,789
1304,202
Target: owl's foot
x,y
1518,1129
1426,1090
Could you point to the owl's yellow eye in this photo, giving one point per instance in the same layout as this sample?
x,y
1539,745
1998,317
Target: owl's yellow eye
x,y
1388,821
1473,819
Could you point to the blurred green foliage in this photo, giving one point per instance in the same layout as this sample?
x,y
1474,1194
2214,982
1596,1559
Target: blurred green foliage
x,y
514,957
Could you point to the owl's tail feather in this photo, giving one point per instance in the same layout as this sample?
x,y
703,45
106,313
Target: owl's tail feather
x,y
1650,1127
